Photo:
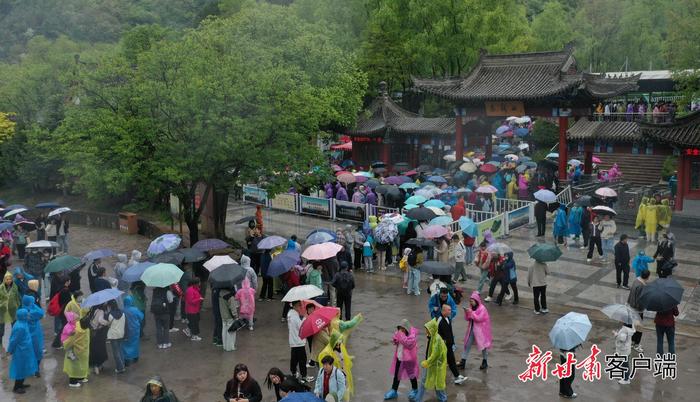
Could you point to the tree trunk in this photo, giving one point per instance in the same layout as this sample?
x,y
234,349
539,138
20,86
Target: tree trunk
x,y
220,208
193,227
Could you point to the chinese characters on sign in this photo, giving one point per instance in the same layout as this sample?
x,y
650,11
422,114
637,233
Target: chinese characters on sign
x,y
514,108
692,152
664,366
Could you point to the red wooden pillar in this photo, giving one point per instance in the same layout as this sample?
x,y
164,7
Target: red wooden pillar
x,y
588,159
459,136
563,157
682,177
386,155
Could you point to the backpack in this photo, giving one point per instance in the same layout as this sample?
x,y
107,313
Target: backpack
x,y
403,264
54,308
344,281
413,258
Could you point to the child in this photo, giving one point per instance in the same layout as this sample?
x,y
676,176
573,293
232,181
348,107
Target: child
x,y
641,262
367,254
246,300
313,277
310,308
68,330
403,265
404,366
623,347
193,304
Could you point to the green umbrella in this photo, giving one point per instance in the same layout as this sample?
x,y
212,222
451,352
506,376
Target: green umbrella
x,y
161,275
63,263
544,252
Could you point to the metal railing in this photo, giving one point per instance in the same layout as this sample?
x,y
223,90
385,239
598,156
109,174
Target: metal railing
x,y
647,117
507,204
565,196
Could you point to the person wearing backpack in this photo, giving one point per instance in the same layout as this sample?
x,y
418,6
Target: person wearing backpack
x,y
357,244
415,259
161,316
344,283
116,334
60,296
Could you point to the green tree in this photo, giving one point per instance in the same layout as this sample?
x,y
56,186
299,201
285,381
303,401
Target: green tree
x,y
682,48
551,29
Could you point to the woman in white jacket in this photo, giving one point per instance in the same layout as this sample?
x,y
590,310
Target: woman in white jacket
x,y
115,335
623,347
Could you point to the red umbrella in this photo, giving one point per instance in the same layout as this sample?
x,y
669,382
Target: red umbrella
x,y
488,168
338,173
318,320
410,173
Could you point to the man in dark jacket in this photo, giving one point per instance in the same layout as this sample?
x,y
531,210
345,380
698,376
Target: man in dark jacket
x,y
633,301
445,331
622,261
344,283
541,217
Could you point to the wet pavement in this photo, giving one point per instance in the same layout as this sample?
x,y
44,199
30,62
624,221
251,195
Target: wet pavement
x,y
198,371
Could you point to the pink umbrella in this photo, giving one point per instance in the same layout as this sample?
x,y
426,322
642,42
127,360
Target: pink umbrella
x,y
317,321
597,160
410,173
606,192
396,180
487,189
434,231
360,179
338,173
346,178
321,251
336,168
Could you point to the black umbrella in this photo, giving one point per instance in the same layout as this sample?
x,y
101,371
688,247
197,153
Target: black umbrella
x,y
193,254
379,170
245,219
436,268
372,183
169,257
661,295
421,242
384,188
226,276
421,214
424,169
584,201
378,164
553,206
47,205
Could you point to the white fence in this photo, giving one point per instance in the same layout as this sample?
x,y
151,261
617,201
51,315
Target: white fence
x,y
565,197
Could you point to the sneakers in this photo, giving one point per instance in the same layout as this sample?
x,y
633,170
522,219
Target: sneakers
x,y
173,329
76,385
283,320
509,296
309,379
20,390
487,299
84,380
589,259
260,300
625,287
638,347
391,394
544,311
537,312
460,379
119,371
196,338
583,247
623,382
167,345
412,395
250,328
572,396
187,332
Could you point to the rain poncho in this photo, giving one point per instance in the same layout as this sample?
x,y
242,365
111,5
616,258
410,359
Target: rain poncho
x,y
246,299
79,343
165,395
436,361
664,213
9,301
651,217
560,222
135,257
523,193
500,185
341,359
575,220
641,213
341,194
34,321
406,351
249,271
511,189
371,198
23,283
478,321
23,363
640,262
134,318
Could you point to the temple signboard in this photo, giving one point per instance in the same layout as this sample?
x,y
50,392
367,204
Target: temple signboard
x,y
509,108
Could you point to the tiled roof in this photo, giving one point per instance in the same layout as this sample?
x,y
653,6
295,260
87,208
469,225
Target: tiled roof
x,y
385,116
526,76
584,129
684,132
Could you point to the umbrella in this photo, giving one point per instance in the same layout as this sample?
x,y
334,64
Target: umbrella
x,y
338,173
283,262
553,206
386,231
361,179
525,159
26,225
47,205
42,244
436,268
347,163
6,225
522,131
511,157
437,211
570,330
365,174
210,244
575,162
385,188
101,297
15,212
661,295
552,155
584,201
437,179
468,227
217,261
401,166
226,276
336,168
409,207
63,263
59,211
410,173
346,178
523,146
441,220
98,254
503,129
192,254
161,275
271,242
245,219
423,169
545,196
523,120
163,243
133,273
408,186
521,168
421,242
544,252
496,163
379,170
621,312
488,168
434,231
434,203
302,292
378,164
487,189
500,248
468,167
606,192
317,321
416,200
372,183
597,160
321,251
394,180
530,164
394,217
318,237
511,118
421,214
603,210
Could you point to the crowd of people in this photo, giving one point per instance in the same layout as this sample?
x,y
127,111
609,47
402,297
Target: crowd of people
x,y
640,110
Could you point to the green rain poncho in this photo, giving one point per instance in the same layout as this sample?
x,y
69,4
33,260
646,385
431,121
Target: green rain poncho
x,y
436,363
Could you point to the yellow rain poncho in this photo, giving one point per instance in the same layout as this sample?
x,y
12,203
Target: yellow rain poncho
x,y
436,363
79,343
640,213
651,217
341,359
664,214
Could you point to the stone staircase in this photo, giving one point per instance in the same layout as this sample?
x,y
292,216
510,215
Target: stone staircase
x,y
636,169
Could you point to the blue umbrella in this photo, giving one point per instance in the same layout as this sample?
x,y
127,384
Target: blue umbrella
x,y
302,397
15,206
47,205
522,132
166,242
441,220
283,262
318,236
570,330
416,200
6,226
469,227
347,163
434,203
437,179
210,244
133,273
502,129
101,297
98,254
271,242
439,171
408,186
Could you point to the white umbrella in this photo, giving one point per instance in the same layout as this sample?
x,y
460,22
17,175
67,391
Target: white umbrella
x,y
59,211
449,158
575,162
511,118
545,196
487,189
217,261
603,209
15,212
438,211
42,244
621,312
606,192
552,155
523,146
512,157
302,292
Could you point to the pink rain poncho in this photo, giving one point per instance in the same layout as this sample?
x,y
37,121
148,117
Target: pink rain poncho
x,y
406,352
246,298
478,321
69,328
